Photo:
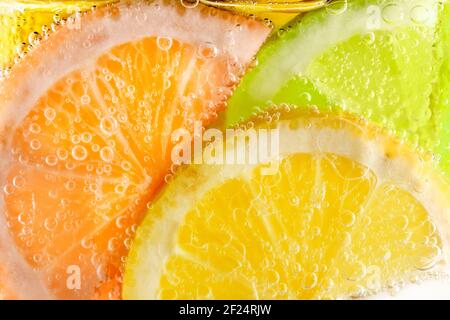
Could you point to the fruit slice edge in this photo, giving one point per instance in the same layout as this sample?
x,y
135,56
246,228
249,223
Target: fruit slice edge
x,y
157,238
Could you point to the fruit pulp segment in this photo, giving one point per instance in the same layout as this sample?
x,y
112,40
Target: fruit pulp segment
x,y
92,151
323,227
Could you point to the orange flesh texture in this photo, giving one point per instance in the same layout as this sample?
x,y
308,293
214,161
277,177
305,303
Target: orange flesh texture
x,y
87,159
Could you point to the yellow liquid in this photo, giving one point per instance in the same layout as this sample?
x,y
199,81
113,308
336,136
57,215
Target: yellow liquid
x,y
279,12
24,22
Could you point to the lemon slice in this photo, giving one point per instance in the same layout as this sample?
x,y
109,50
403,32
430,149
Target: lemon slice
x,y
348,213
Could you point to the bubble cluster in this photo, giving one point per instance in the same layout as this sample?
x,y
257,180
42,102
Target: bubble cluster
x,y
323,227
372,72
88,157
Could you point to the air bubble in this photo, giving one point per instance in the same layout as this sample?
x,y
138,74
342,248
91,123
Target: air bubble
x,y
348,218
86,137
23,218
370,38
295,201
53,194
75,139
119,189
35,144
50,114
79,153
307,96
108,125
120,222
420,14
190,4
164,43
337,7
401,222
392,13
429,260
70,185
107,154
315,231
309,281
85,99
19,181
122,117
357,291
207,51
50,224
355,271
33,38
125,165
87,243
62,154
35,128
113,244
167,84
328,285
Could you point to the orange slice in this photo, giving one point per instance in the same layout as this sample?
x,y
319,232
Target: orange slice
x,y
85,136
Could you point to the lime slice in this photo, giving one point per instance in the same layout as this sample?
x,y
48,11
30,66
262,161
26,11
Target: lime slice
x,y
375,58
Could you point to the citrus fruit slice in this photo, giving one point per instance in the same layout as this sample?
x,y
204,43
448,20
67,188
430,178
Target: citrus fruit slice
x,y
85,125
23,21
363,57
349,212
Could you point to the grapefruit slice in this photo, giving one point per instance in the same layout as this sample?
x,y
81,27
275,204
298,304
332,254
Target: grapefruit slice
x,y
85,125
348,212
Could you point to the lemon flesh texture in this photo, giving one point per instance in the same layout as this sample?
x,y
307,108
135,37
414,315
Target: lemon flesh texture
x,y
324,227
22,22
376,59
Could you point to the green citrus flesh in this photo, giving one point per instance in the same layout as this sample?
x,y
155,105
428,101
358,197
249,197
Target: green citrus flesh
x,y
375,58
440,99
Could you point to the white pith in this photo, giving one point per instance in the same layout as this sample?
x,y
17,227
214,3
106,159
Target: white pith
x,y
133,23
158,240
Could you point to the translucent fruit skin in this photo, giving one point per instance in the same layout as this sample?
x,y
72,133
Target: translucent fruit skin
x,y
371,73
